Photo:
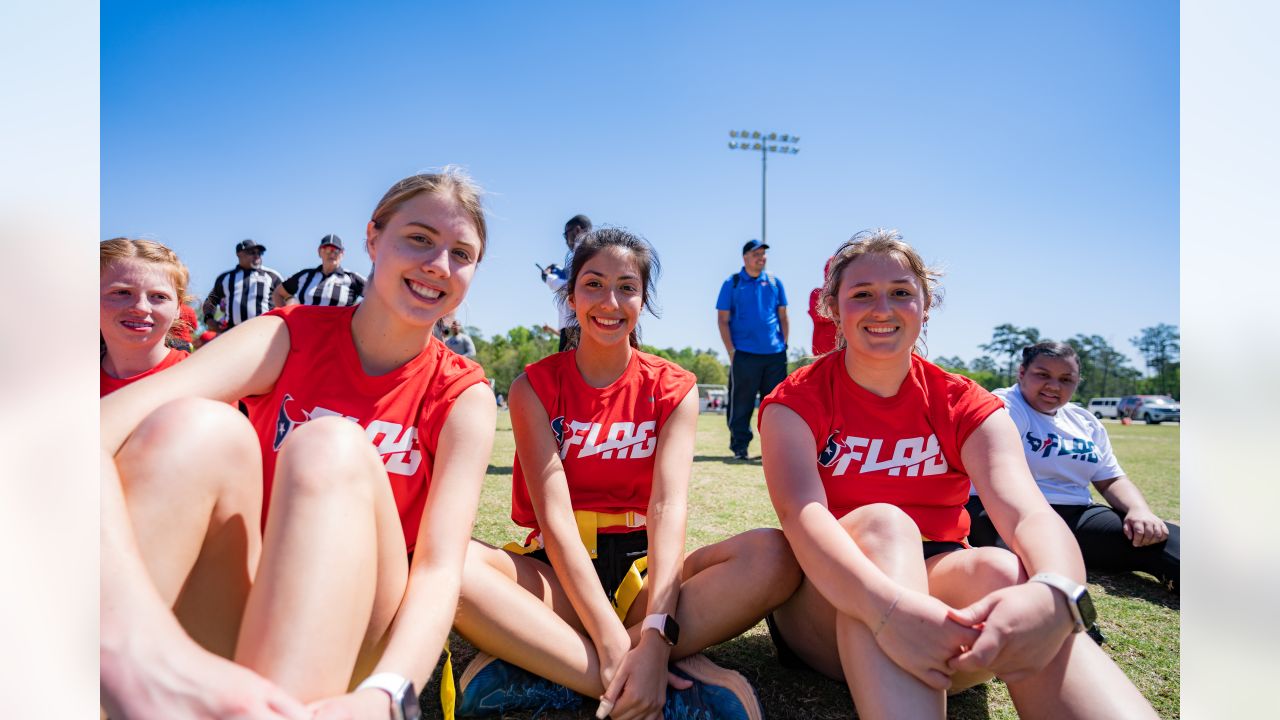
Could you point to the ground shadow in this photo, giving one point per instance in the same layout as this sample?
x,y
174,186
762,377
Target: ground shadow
x,y
1136,585
498,470
727,459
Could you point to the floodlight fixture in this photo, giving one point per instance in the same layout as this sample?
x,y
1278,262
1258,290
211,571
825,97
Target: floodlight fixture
x,y
764,147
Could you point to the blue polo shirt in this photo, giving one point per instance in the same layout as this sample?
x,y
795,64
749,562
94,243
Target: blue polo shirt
x,y
753,312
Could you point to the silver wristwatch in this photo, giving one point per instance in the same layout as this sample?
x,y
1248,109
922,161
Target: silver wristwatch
x,y
1078,600
404,698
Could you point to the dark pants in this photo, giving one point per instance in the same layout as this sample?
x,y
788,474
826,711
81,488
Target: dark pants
x,y
750,375
1099,529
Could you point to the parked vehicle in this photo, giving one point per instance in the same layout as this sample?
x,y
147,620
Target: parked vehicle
x,y
1104,407
1152,409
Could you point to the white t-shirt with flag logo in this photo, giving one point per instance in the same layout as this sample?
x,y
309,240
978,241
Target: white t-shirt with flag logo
x,y
1065,451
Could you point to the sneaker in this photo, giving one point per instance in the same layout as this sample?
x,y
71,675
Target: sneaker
x,y
490,686
716,694
739,454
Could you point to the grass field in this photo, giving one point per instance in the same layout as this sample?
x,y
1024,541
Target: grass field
x,y
1139,618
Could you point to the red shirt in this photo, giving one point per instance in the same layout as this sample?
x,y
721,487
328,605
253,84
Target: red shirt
x,y
824,330
108,384
187,326
903,450
401,412
607,436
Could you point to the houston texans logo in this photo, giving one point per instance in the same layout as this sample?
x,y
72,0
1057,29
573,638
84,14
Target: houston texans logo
x,y
832,450
284,423
557,427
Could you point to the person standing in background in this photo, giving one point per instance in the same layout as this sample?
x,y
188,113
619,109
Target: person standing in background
x,y
555,276
244,291
752,314
458,340
328,284
824,330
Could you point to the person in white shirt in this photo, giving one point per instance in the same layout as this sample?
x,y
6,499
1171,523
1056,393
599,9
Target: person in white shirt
x,y
1068,449
555,276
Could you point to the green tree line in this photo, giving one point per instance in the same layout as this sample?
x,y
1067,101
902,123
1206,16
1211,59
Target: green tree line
x,y
505,356
1104,370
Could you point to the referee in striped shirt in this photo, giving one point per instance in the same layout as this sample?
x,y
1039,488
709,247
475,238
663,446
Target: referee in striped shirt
x,y
243,291
328,284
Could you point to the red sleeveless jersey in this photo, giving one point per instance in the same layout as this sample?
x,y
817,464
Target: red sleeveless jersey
x,y
607,436
903,450
108,384
401,412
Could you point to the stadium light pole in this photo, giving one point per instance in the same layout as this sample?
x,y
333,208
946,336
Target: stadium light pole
x,y
765,142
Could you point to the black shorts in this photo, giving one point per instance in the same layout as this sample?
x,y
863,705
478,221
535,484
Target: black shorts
x,y
615,552
788,658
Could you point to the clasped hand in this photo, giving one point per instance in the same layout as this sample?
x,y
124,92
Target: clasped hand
x,y
1021,628
636,685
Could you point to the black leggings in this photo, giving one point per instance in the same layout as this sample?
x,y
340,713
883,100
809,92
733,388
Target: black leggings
x,y
1099,530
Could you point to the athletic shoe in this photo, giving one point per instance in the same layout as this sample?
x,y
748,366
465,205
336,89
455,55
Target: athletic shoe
x,y
739,454
490,686
716,694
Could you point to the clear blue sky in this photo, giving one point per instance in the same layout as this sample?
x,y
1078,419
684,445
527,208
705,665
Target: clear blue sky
x,y
1029,148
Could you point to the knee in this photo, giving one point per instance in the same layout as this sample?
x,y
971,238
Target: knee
x,y
767,550
992,568
328,455
880,527
191,433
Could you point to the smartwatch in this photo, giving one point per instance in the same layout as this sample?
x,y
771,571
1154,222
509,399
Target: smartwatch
x,y
666,626
404,698
1078,600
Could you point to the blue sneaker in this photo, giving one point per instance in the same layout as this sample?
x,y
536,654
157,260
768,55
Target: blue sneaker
x,y
717,693
490,686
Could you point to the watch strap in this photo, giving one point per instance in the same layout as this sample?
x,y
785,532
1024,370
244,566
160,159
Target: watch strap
x,y
1070,589
657,621
401,691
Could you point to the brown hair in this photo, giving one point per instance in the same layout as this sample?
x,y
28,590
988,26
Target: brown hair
x,y
121,248
875,242
451,180
646,259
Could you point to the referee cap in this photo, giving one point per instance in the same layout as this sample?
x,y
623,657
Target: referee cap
x,y
250,244
333,240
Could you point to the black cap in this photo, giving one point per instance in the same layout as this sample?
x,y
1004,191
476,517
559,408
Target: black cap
x,y
333,240
752,245
249,244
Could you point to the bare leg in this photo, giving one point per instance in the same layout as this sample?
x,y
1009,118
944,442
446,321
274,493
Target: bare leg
x,y
715,602
961,578
1080,681
192,478
334,567
839,645
514,607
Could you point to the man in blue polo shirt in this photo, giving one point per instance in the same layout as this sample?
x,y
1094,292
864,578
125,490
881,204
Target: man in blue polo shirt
x,y
752,310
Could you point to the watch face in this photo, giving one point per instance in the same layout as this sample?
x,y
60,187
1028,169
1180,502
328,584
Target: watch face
x,y
1088,615
671,629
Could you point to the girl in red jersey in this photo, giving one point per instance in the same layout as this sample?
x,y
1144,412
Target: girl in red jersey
x,y
868,454
604,446
143,288
371,440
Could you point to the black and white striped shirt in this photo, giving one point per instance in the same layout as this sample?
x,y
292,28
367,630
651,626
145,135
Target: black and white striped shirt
x,y
243,293
313,287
